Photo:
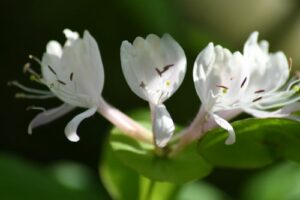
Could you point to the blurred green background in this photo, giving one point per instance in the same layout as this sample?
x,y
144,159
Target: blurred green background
x,y
26,27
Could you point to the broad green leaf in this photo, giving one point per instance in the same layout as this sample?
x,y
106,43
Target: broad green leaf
x,y
124,183
20,180
281,182
121,182
186,166
258,143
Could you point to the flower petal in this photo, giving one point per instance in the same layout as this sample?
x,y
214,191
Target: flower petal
x,y
49,116
227,126
163,125
95,65
132,79
153,67
71,36
54,48
71,128
284,112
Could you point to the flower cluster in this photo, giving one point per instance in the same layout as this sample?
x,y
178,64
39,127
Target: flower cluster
x,y
253,81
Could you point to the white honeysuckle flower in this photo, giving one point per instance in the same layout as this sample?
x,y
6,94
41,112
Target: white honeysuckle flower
x,y
154,68
253,82
73,73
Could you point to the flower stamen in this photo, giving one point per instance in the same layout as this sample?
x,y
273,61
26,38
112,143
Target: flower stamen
x,y
35,108
244,81
257,99
32,57
259,91
142,85
52,70
61,82
27,68
71,76
166,68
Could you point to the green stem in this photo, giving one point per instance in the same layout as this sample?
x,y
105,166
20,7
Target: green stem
x,y
150,190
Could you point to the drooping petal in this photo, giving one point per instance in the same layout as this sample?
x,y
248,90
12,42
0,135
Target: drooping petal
x,y
227,126
163,125
283,112
49,116
71,128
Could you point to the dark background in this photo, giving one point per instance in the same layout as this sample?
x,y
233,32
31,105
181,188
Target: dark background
x,y
26,27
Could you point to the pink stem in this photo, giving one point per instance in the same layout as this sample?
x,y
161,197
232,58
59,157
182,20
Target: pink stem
x,y
200,126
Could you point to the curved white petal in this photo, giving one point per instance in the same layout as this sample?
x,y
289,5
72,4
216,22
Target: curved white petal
x,y
54,48
202,67
227,126
77,76
132,79
71,128
268,71
163,125
71,36
218,71
283,112
95,62
49,116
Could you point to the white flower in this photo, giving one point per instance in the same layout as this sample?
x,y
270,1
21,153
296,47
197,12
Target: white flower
x,y
154,68
253,82
74,73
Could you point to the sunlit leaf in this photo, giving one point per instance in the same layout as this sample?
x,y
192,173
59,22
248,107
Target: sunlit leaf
x,y
124,183
258,143
141,157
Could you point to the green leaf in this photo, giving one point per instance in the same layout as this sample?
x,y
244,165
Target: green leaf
x,y
199,191
123,183
120,181
141,157
258,143
21,180
276,183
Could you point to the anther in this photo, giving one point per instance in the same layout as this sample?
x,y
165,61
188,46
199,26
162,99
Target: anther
x,y
27,68
257,99
51,69
222,86
71,76
296,88
259,91
142,85
32,57
61,82
166,68
244,81
20,95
